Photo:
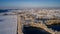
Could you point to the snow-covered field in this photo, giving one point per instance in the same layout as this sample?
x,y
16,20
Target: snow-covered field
x,y
8,24
8,20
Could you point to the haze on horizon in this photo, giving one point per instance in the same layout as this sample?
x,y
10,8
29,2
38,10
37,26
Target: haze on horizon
x,y
28,3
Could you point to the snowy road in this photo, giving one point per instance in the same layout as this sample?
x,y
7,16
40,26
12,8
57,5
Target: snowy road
x,y
8,24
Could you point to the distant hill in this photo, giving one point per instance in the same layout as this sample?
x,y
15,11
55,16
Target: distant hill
x,y
2,11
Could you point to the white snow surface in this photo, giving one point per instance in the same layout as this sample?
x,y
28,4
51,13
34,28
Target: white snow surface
x,y
8,24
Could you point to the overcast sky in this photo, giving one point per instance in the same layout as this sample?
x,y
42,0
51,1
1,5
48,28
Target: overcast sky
x,y
29,3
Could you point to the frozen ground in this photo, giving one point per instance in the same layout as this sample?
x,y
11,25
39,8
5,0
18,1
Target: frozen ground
x,y
8,24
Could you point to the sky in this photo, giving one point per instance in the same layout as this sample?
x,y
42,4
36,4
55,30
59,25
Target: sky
x,y
29,3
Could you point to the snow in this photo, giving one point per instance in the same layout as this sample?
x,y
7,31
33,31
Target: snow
x,y
8,24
